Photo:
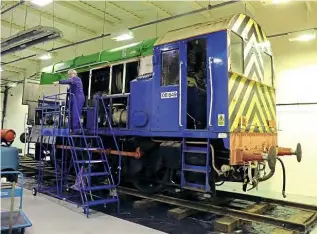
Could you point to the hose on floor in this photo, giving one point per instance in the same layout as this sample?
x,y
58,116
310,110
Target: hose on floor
x,y
284,177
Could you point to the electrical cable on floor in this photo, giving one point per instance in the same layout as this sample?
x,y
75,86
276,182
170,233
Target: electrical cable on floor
x,y
221,183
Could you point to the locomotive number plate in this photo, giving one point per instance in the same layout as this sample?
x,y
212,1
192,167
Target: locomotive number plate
x,y
169,94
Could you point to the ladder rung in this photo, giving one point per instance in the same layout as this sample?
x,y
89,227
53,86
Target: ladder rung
x,y
84,136
90,161
103,201
192,149
53,112
95,174
100,187
48,107
200,169
195,187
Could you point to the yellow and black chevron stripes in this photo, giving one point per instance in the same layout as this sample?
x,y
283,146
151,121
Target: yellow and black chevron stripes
x,y
253,101
253,36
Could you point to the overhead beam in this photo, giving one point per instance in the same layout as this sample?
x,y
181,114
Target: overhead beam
x,y
57,19
12,7
72,6
123,9
96,10
196,5
159,8
249,8
7,24
8,71
17,57
13,69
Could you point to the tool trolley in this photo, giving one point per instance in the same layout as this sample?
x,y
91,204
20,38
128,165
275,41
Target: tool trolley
x,y
13,219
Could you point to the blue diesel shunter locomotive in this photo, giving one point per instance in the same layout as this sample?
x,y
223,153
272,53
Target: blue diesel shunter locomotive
x,y
193,108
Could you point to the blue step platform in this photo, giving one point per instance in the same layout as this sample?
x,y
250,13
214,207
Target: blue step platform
x,y
188,148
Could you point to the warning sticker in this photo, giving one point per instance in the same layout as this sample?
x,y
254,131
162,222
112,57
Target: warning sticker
x,y
221,120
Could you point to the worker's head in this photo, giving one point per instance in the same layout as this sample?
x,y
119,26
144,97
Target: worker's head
x,y
72,73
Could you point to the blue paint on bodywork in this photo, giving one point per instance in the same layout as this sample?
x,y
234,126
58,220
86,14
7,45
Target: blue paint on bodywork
x,y
140,103
165,112
150,114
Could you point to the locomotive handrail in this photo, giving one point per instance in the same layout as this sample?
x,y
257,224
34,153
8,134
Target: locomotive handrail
x,y
119,95
114,138
180,95
211,92
55,95
71,95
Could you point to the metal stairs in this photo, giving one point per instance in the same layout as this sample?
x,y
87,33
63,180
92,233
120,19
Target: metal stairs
x,y
94,183
205,169
90,162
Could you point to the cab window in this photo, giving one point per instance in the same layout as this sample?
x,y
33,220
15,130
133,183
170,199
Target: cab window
x,y
170,67
236,54
268,69
117,79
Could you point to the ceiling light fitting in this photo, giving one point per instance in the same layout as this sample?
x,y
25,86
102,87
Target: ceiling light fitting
x,y
29,37
45,56
123,36
41,2
279,1
11,84
306,35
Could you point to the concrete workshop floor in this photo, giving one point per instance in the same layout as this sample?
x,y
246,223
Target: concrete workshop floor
x,y
51,216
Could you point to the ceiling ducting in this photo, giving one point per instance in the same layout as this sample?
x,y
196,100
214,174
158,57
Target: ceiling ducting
x,y
29,37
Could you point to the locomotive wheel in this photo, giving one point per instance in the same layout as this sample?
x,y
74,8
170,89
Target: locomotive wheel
x,y
149,185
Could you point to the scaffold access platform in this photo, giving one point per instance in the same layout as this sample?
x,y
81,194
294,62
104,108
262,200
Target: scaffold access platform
x,y
73,152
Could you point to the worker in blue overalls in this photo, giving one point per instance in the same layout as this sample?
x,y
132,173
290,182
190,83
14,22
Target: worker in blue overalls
x,y
77,98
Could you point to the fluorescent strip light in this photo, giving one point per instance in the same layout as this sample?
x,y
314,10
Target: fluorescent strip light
x,y
279,1
45,57
41,2
12,84
123,37
29,37
303,36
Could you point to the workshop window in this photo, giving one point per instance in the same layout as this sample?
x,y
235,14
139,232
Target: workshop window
x,y
268,69
170,67
236,54
117,79
100,81
196,63
131,73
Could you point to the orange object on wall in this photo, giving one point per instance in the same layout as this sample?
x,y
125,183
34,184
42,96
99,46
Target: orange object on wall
x,y
7,135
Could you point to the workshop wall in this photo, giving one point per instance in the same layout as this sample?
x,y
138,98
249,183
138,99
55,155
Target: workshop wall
x,y
16,114
296,83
